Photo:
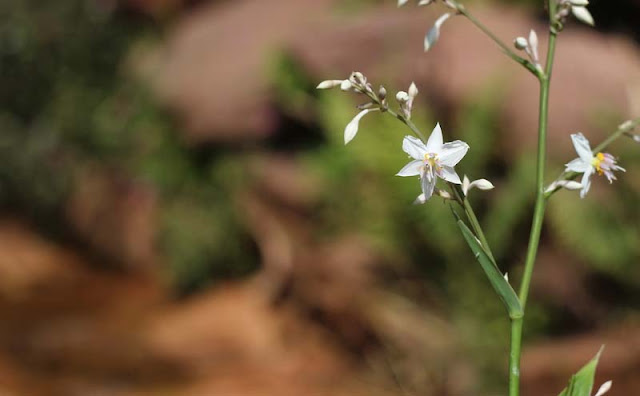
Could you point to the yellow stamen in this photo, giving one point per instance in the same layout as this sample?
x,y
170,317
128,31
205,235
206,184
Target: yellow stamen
x,y
432,160
597,161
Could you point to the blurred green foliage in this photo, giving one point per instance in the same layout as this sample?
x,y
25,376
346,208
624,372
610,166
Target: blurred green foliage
x,y
68,102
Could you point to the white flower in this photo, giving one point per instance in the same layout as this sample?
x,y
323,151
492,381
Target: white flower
x,y
587,163
481,184
435,159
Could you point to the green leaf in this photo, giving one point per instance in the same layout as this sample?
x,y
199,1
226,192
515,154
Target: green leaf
x,y
500,285
581,383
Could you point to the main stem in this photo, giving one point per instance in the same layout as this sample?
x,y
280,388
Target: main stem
x,y
536,226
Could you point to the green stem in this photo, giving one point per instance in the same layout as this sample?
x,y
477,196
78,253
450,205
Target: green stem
x,y
538,216
475,224
409,123
514,356
528,65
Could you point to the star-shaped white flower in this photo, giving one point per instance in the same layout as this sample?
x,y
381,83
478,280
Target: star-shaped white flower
x,y
587,163
435,159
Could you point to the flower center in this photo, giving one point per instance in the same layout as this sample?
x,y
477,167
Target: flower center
x,y
431,160
597,162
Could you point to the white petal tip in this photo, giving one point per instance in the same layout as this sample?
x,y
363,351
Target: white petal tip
x,y
420,200
413,90
604,388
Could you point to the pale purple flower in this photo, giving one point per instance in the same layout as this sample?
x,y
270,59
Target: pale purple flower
x,y
432,160
588,164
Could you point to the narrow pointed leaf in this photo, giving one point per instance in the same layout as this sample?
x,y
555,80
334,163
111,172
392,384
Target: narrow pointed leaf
x,y
581,383
500,285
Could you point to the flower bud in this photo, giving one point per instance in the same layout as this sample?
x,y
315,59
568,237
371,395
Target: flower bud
x,y
327,84
520,43
402,97
480,184
357,78
424,2
413,90
570,185
346,85
444,194
382,93
583,15
533,46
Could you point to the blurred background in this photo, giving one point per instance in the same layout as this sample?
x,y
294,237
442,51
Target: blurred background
x,y
179,216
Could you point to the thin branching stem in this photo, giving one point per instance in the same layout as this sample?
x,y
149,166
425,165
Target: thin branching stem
x,y
505,48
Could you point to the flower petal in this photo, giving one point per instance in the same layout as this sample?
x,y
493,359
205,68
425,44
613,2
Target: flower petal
x,y
582,146
452,152
428,184
586,182
411,169
414,147
578,165
434,33
435,140
449,174
352,127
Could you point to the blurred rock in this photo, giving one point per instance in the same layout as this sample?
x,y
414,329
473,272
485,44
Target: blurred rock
x,y
115,215
214,73
213,69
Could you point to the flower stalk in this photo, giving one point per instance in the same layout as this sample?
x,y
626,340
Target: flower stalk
x,y
538,213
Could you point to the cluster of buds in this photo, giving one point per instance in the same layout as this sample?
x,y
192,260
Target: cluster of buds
x,y
576,7
377,100
358,83
529,46
405,100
